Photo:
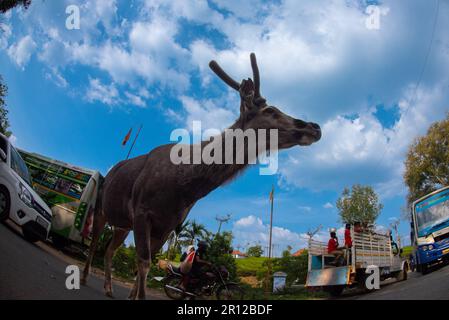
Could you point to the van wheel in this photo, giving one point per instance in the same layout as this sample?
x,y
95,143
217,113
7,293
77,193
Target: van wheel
x,y
5,203
29,235
59,241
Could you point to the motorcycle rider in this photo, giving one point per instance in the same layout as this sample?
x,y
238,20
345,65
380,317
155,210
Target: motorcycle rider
x,y
199,266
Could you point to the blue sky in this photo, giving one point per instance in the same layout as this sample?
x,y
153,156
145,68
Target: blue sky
x,y
74,94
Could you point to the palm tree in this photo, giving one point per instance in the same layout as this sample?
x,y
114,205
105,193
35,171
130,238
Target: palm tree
x,y
193,231
174,239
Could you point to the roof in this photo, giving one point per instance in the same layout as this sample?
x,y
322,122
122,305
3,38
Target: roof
x,y
238,253
58,162
298,253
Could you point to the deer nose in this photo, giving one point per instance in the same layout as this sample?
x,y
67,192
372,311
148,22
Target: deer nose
x,y
317,129
315,126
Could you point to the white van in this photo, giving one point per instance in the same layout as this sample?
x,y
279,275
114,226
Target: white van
x,y
18,200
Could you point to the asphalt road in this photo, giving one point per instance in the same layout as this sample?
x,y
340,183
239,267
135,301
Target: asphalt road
x,y
37,271
432,286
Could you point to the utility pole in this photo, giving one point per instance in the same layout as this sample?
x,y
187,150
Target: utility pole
x,y
271,221
222,220
269,271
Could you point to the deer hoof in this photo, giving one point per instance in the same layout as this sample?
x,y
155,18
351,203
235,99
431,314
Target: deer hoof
x,y
109,294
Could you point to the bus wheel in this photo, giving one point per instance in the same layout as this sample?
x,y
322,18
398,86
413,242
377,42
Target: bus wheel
x,y
424,269
5,204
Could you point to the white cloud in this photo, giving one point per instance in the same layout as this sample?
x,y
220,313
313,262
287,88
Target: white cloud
x,y
107,94
5,34
208,112
305,208
318,62
13,139
21,52
362,150
252,230
135,100
328,205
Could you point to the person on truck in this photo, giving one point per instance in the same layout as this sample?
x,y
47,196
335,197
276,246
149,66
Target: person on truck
x,y
348,239
333,248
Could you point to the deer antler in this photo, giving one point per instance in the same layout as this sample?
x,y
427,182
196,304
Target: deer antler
x,y
258,99
223,75
256,77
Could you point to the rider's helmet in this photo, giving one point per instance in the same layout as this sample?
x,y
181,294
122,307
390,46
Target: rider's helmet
x,y
202,246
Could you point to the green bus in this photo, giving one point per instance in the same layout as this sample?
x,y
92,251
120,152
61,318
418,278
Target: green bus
x,y
70,192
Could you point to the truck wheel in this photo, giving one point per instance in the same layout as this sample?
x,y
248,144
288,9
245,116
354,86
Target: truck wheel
x,y
5,203
29,235
402,275
335,291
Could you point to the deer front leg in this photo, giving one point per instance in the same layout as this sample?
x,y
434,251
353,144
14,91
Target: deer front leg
x,y
119,235
133,293
98,226
142,229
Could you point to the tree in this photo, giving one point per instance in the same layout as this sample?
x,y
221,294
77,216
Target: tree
x,y
360,204
427,161
193,231
6,5
295,267
219,252
4,122
174,240
255,251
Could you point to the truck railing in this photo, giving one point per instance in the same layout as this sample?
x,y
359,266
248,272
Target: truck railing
x,y
370,248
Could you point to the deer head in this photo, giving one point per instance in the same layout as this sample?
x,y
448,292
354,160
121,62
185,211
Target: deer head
x,y
255,113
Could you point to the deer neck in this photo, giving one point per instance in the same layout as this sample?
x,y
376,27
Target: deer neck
x,y
217,174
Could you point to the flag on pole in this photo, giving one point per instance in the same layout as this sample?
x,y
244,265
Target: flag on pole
x,y
128,135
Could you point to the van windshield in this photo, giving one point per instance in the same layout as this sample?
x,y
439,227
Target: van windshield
x,y
3,145
19,166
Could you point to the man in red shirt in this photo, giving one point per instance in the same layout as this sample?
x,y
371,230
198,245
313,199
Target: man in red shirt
x,y
348,239
332,247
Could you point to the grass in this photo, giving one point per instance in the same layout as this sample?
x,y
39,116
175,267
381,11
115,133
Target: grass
x,y
249,266
293,293
406,251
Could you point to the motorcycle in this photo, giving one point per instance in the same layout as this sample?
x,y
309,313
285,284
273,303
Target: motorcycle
x,y
216,283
